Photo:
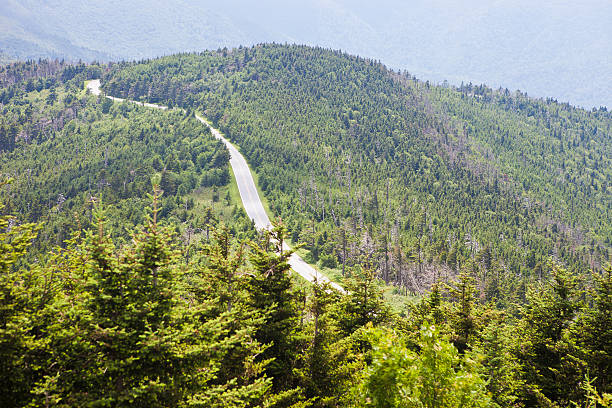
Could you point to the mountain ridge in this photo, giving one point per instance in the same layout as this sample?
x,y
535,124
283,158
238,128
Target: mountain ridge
x,y
486,213
549,49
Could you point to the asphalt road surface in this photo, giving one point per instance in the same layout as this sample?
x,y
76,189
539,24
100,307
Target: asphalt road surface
x,y
248,192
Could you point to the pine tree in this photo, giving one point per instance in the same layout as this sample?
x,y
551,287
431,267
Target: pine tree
x,y
551,363
223,263
593,333
270,291
18,307
463,319
132,328
144,338
363,303
318,361
225,326
496,344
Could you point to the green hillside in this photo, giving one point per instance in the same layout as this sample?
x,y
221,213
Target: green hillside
x,y
120,287
64,150
427,181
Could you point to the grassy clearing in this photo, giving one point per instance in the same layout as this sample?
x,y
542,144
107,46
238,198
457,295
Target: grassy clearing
x,y
217,198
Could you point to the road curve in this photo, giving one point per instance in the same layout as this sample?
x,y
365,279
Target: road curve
x,y
248,192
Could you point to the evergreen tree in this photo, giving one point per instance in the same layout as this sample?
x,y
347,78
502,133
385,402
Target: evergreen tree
x,y
133,332
317,374
270,291
593,333
502,368
463,320
551,363
363,303
18,312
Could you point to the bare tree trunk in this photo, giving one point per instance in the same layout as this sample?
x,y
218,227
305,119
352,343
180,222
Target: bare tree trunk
x,y
343,251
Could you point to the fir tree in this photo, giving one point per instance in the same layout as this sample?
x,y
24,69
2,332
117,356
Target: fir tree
x,y
270,291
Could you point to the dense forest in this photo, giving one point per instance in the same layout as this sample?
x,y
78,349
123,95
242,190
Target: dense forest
x,y
427,180
121,286
151,324
63,149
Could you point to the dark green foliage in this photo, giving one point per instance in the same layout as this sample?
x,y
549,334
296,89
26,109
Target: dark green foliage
x,y
119,327
547,354
317,375
593,332
137,325
269,288
18,312
363,304
133,336
504,371
462,317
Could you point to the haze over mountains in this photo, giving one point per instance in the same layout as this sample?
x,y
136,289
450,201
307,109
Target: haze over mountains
x,y
558,49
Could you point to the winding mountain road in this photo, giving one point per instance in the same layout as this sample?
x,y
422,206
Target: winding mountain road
x,y
246,186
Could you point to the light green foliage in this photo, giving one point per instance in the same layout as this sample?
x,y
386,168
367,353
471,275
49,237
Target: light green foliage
x,y
593,398
434,376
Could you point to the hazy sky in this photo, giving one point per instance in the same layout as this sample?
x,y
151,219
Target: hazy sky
x,y
556,48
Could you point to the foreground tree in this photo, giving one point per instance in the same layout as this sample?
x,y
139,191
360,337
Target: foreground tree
x,y
318,363
121,327
593,333
363,303
434,376
18,310
551,362
133,328
270,291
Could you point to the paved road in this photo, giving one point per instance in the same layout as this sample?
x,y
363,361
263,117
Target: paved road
x,y
248,192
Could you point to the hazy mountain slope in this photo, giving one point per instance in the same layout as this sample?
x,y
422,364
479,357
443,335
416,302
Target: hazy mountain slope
x,y
118,31
26,32
551,48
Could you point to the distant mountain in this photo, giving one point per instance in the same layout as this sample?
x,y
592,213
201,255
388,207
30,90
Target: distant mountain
x,y
551,48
